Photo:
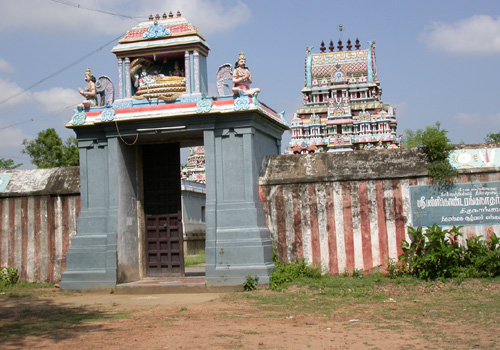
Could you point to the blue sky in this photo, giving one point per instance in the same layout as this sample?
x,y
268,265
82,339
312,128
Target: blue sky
x,y
437,60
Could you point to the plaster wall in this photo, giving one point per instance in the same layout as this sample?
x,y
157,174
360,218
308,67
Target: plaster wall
x,y
348,211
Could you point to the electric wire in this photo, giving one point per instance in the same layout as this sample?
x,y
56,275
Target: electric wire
x,y
68,3
45,116
60,70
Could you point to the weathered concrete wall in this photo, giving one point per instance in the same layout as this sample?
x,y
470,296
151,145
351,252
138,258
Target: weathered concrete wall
x,y
347,211
193,197
38,213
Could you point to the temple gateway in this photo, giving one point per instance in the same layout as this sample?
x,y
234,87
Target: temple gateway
x,y
129,227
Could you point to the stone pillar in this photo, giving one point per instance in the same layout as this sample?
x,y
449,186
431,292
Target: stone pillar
x,y
128,81
237,240
187,72
196,71
97,257
120,78
91,259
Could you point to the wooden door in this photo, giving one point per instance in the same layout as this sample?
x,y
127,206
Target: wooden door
x,y
162,210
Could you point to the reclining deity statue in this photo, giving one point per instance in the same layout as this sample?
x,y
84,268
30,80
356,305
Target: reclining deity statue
x,y
242,78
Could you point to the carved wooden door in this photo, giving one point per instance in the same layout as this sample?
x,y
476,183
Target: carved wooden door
x,y
162,210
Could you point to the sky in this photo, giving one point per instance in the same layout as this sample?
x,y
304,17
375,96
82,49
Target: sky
x,y
437,60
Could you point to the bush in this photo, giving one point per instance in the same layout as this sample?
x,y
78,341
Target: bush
x,y
288,273
251,283
9,275
437,254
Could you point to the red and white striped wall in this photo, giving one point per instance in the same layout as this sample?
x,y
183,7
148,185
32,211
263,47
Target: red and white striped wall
x,y
35,234
347,225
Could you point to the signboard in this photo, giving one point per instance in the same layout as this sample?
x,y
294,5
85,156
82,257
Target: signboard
x,y
476,203
4,181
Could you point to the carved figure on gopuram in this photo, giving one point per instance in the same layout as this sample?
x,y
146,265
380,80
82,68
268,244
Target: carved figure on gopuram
x,y
242,78
89,93
153,80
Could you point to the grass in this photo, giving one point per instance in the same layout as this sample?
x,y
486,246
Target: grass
x,y
24,289
196,259
24,312
429,308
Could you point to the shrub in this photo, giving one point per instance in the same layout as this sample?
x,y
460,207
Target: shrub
x,y
437,254
9,275
251,283
290,272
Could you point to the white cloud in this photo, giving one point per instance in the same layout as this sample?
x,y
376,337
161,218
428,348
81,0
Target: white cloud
x,y
208,16
12,95
12,138
57,98
491,121
478,34
6,66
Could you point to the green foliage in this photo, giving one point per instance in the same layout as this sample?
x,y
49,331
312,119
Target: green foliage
x,y
196,259
49,151
437,254
286,274
251,283
436,145
8,164
492,138
9,275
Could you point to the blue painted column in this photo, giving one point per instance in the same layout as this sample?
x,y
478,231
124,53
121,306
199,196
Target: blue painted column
x,y
237,240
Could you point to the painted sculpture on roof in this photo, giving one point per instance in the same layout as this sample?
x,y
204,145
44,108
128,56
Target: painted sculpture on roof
x,y
89,93
342,107
242,78
157,79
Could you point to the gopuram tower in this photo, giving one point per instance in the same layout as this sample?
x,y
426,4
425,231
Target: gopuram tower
x,y
342,107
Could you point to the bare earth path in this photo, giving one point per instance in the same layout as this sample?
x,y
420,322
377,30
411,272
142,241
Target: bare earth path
x,y
247,321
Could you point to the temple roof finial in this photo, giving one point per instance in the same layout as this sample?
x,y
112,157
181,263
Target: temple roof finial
x,y
357,46
151,17
164,15
179,13
157,17
170,15
339,46
331,47
322,47
348,46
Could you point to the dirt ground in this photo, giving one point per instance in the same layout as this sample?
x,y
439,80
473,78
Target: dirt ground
x,y
232,321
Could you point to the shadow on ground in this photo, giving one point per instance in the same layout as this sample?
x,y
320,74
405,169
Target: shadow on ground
x,y
22,318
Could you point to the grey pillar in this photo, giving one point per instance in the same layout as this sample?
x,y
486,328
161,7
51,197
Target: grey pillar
x,y
187,72
196,66
120,78
128,87
237,240
91,259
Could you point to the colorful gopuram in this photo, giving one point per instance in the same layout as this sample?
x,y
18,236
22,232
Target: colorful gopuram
x,y
194,170
342,107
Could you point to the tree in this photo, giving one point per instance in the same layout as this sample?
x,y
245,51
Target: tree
x,y
8,164
49,151
436,145
492,138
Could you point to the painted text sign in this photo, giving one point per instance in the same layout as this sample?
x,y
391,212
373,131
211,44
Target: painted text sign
x,y
475,203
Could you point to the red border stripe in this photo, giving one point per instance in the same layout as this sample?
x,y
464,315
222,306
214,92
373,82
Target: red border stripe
x,y
333,264
381,222
313,219
364,216
348,229
297,224
280,224
398,214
